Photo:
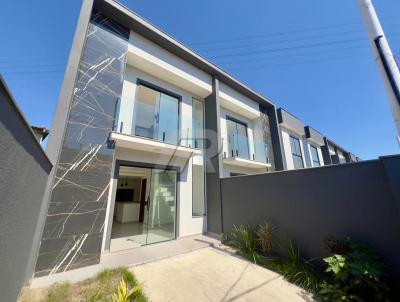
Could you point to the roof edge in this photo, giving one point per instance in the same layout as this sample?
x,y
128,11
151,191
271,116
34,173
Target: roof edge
x,y
133,21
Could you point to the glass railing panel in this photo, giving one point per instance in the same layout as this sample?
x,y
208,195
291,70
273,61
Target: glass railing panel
x,y
260,151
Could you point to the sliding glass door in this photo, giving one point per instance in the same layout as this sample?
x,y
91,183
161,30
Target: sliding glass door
x,y
161,207
238,144
157,115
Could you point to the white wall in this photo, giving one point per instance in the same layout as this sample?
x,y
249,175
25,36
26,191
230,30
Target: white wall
x,y
235,101
151,58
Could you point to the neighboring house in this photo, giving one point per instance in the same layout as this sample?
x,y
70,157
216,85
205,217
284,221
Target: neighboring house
x,y
305,147
24,168
143,132
40,133
334,154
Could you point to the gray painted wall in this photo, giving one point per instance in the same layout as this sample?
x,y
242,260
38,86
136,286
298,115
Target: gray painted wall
x,y
361,200
24,169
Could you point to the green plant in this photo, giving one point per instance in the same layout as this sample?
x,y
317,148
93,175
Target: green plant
x,y
244,238
297,270
265,234
123,294
356,275
58,292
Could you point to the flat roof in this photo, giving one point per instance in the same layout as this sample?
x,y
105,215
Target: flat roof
x,y
133,21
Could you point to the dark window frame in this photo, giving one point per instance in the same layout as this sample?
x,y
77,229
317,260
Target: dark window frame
x,y
318,162
295,155
235,120
141,82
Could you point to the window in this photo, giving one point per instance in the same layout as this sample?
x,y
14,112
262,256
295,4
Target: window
x,y
314,156
198,171
296,153
238,144
198,123
157,115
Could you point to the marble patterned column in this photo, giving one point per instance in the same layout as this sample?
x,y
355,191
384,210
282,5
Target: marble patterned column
x,y
74,226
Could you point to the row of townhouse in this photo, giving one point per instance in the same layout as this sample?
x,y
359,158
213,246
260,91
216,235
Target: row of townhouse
x,y
305,147
143,132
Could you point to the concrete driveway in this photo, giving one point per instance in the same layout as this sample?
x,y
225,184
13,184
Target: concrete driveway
x,y
213,274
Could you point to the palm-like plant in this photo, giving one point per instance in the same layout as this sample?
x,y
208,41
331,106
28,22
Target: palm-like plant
x,y
265,234
123,294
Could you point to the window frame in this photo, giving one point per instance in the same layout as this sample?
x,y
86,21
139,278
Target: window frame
x,y
237,121
292,137
141,82
312,159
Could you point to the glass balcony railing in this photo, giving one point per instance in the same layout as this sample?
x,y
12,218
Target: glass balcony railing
x,y
240,147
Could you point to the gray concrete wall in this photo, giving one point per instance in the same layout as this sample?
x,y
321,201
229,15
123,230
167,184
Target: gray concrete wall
x,y
360,200
24,169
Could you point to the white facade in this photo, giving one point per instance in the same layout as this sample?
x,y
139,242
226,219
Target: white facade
x,y
305,146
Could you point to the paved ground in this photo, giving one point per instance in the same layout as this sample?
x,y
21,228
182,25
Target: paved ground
x,y
212,274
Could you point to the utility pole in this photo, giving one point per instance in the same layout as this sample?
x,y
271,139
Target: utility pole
x,y
384,58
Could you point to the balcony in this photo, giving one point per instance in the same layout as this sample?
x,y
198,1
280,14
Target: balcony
x,y
237,152
150,145
152,123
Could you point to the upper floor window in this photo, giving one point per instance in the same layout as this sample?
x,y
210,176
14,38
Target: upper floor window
x,y
157,114
314,156
296,152
238,144
197,123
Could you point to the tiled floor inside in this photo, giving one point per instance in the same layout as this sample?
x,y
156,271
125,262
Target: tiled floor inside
x,y
131,235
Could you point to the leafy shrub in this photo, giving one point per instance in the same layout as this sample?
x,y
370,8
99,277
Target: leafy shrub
x,y
355,275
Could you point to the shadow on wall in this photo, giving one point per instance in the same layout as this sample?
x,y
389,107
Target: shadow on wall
x,y
360,200
19,127
24,170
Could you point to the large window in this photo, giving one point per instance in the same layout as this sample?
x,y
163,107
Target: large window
x,y
296,152
157,115
198,173
314,156
238,144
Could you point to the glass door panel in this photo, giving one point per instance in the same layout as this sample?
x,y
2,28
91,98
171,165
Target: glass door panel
x,y
147,112
232,138
243,146
168,119
161,207
237,139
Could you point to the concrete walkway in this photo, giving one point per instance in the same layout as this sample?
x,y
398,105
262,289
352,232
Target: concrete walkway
x,y
213,274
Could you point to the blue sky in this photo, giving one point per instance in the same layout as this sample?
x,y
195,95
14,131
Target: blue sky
x,y
310,57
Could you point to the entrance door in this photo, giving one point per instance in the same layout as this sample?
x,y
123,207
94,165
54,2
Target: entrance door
x,y
161,206
145,207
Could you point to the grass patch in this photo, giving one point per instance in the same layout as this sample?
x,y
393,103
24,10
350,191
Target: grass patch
x,y
97,289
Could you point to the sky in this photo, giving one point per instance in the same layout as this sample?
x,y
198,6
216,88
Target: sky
x,y
312,57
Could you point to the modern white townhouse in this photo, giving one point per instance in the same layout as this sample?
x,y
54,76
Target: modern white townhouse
x,y
305,147
144,130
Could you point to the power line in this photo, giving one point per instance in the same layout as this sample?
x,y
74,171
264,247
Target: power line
x,y
325,35
291,48
299,63
283,33
258,59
